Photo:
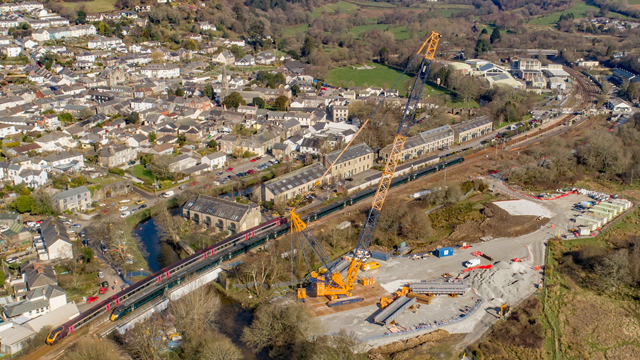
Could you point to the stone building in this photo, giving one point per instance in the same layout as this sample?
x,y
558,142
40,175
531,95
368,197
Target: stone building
x,y
116,155
224,215
472,129
288,186
423,143
356,159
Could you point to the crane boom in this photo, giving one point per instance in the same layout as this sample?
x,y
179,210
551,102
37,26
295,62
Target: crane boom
x,y
331,282
408,119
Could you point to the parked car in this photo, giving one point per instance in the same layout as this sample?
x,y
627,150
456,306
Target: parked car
x,y
230,169
104,247
142,206
85,242
254,160
75,226
140,202
103,290
123,208
101,274
220,173
182,187
125,214
92,299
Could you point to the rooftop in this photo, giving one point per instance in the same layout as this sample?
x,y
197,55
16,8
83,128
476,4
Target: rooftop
x,y
296,178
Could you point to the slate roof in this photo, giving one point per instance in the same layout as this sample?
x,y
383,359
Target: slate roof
x,y
19,308
70,193
352,152
472,124
52,231
218,207
294,179
37,279
61,156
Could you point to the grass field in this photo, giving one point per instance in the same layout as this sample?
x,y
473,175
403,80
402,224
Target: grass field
x,y
291,31
356,30
382,76
141,173
374,4
92,6
343,6
579,10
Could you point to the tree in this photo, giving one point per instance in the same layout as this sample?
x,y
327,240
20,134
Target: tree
x,y
143,342
259,102
307,46
282,103
384,54
42,204
196,312
233,100
191,45
152,136
160,167
65,118
484,31
182,139
281,329
86,113
208,92
220,348
157,56
212,144
146,158
23,204
92,349
82,16
295,90
179,92
495,36
482,46
133,118
237,51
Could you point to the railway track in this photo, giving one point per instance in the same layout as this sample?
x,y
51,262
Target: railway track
x,y
587,91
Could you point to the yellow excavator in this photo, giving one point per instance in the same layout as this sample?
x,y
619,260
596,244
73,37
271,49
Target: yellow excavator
x,y
328,281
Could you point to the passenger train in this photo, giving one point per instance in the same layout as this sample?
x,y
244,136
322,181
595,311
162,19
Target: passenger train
x,y
156,284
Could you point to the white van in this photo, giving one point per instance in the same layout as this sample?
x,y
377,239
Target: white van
x,y
472,263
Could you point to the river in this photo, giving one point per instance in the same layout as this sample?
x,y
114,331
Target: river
x,y
232,318
158,253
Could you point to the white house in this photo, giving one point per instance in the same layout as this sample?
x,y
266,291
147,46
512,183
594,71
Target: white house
x,y
33,178
12,51
161,71
248,60
38,302
215,160
225,57
55,141
619,106
56,239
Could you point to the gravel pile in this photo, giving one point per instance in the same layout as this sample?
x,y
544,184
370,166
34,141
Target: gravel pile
x,y
508,282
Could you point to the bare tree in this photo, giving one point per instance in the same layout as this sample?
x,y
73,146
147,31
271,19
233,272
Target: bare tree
x,y
196,311
220,348
92,349
144,342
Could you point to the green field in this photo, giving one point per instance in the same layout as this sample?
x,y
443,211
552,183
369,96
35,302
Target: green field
x,y
141,173
400,33
579,10
92,6
374,4
382,76
356,30
291,31
343,6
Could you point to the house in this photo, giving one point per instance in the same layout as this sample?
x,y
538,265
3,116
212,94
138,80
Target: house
x,y
354,160
55,141
137,140
37,302
10,219
14,337
265,58
73,199
181,162
226,58
37,275
64,160
116,155
32,178
472,129
557,83
224,215
290,127
56,239
215,160
248,60
288,186
423,143
312,146
281,151
619,106
340,113
164,149
160,71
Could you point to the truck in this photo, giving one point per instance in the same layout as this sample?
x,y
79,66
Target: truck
x,y
168,194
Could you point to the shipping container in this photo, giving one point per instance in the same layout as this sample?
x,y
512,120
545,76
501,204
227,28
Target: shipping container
x,y
445,251
380,255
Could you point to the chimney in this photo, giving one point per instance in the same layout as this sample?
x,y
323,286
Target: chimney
x,y
111,149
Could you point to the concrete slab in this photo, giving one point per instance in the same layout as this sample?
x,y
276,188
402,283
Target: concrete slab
x,y
524,207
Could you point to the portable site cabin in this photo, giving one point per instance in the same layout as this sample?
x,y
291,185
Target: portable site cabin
x,y
626,204
595,217
592,225
619,209
445,251
584,231
614,210
607,215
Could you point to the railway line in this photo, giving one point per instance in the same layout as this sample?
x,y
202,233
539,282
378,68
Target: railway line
x,y
156,284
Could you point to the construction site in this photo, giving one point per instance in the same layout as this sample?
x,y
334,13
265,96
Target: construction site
x,y
480,271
